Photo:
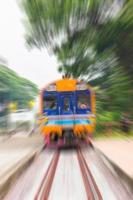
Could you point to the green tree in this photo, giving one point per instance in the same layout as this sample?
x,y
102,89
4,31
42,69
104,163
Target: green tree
x,y
117,35
68,28
92,39
15,88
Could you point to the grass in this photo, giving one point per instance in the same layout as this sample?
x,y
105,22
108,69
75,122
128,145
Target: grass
x,y
114,134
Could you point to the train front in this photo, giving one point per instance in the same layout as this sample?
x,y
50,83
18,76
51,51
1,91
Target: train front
x,y
67,112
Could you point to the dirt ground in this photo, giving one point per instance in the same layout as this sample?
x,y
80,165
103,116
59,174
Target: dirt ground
x,y
14,149
119,151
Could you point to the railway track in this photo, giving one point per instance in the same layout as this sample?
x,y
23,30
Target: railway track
x,y
92,190
45,186
63,174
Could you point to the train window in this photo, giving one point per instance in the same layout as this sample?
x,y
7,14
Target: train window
x,y
50,102
83,101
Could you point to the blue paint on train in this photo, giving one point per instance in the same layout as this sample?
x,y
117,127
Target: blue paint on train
x,y
66,103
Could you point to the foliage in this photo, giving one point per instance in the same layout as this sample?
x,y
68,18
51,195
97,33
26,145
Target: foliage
x,y
114,93
68,28
92,39
117,34
14,88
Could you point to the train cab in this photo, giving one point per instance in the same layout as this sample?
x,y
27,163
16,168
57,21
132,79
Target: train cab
x,y
67,108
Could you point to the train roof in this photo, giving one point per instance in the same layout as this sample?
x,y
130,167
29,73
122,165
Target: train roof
x,y
66,84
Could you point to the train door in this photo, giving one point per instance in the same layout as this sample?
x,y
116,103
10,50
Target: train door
x,y
68,120
67,107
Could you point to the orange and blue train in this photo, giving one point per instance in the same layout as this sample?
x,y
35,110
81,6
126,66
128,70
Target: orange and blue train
x,y
67,109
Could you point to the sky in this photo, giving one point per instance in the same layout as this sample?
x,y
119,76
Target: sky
x,y
35,65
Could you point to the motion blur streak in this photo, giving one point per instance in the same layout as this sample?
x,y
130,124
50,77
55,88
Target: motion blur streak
x,y
17,99
92,40
67,180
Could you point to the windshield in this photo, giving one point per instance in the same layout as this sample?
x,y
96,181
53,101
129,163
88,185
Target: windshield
x,y
50,102
83,101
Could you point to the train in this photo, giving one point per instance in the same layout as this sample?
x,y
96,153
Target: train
x,y
67,112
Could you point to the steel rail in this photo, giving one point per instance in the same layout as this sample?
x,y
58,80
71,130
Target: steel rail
x,y
46,184
91,187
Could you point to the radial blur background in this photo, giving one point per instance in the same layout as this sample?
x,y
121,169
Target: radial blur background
x,y
91,40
